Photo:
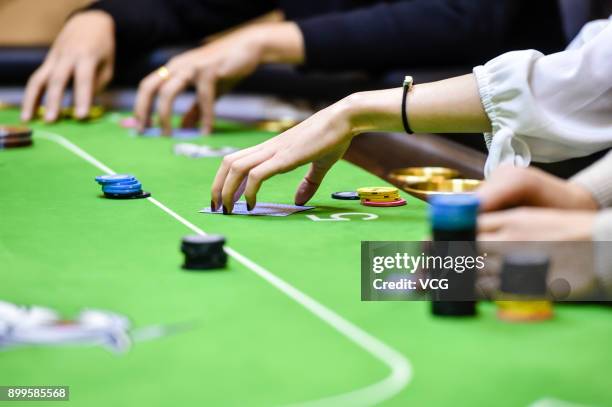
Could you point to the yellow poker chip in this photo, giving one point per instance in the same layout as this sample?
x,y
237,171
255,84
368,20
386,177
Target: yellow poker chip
x,y
95,112
65,113
524,310
383,198
373,191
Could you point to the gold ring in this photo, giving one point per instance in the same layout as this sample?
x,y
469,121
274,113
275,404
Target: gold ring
x,y
163,72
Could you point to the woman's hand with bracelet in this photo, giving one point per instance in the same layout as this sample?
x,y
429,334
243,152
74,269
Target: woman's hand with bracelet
x,y
451,105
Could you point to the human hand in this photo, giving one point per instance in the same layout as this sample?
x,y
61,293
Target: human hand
x,y
83,51
510,187
321,140
536,224
214,69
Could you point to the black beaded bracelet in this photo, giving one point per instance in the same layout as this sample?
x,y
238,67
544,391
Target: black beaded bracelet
x,y
408,82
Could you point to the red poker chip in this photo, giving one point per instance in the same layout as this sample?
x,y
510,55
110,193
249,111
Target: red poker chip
x,y
129,123
399,202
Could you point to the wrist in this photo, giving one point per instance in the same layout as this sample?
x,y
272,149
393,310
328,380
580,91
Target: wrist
x,y
278,42
99,16
373,111
581,198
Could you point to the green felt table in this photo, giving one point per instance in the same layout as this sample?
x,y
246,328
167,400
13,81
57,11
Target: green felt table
x,y
283,324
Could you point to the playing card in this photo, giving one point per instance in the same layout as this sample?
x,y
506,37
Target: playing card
x,y
176,133
263,209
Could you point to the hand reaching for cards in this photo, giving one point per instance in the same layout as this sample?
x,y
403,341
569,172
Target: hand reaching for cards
x,y
450,105
321,140
83,51
214,69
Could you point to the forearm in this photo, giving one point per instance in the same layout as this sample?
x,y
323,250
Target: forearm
x,y
406,33
145,24
449,106
279,42
139,24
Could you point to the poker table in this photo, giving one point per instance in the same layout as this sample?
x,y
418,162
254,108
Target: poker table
x,y
283,324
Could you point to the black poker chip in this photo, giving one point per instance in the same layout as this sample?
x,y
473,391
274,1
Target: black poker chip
x,y
204,252
346,196
15,136
136,195
15,143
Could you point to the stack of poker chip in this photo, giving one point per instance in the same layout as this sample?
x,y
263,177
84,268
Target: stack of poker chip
x,y
204,252
523,290
121,186
380,197
15,137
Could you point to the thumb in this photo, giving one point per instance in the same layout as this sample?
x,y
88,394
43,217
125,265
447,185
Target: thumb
x,y
310,184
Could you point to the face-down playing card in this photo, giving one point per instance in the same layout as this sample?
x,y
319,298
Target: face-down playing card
x,y
263,209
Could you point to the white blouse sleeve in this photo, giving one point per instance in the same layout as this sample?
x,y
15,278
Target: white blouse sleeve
x,y
549,108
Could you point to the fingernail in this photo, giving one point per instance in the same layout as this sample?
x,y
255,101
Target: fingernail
x,y
81,113
213,207
49,116
249,207
225,211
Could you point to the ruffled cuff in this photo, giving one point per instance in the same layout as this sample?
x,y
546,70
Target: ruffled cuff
x,y
501,87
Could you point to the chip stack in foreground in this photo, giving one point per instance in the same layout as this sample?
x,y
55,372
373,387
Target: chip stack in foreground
x,y
522,296
15,137
453,221
380,197
121,186
204,252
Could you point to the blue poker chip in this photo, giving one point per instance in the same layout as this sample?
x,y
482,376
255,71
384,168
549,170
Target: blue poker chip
x,y
121,190
113,190
114,178
124,185
186,133
176,133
